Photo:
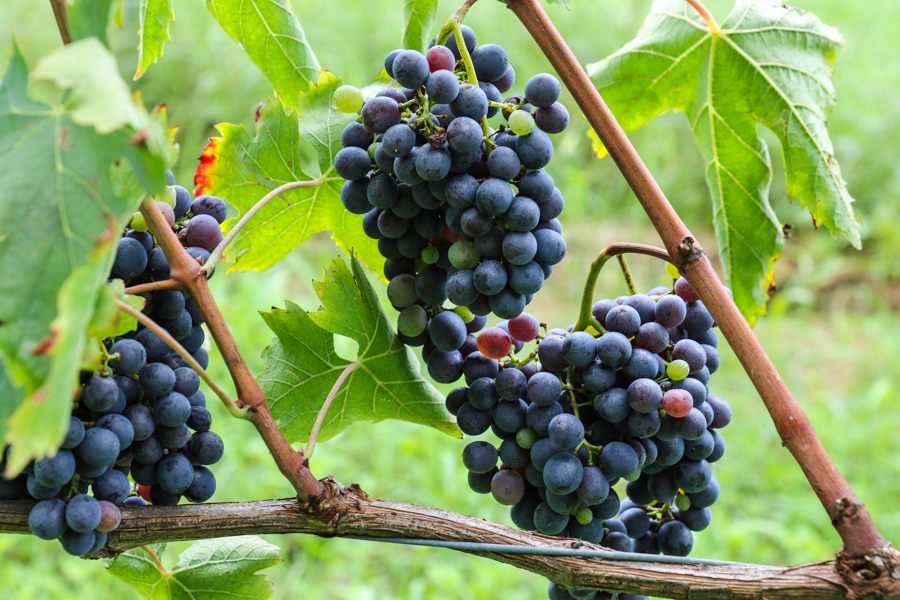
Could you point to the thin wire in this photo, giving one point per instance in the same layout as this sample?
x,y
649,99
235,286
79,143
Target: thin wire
x,y
554,551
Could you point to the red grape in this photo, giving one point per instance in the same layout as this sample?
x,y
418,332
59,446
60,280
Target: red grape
x,y
524,328
677,403
493,342
684,290
440,57
167,212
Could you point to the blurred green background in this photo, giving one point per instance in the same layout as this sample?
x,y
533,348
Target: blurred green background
x,y
831,332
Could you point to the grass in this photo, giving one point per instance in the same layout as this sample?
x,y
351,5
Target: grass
x,y
839,362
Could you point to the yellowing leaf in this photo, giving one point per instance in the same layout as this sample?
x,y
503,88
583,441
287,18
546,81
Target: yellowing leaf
x,y
243,168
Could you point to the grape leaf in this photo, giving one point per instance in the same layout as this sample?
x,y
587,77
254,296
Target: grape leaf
x,y
243,168
155,16
766,65
419,15
11,395
66,191
207,570
273,38
38,425
302,365
89,18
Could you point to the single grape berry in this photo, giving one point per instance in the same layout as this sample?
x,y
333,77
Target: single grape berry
x,y
494,343
348,99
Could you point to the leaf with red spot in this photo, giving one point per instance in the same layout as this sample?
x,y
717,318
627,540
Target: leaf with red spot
x,y
72,176
242,168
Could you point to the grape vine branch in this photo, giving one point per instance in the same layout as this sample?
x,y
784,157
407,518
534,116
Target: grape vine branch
x,y
849,516
350,513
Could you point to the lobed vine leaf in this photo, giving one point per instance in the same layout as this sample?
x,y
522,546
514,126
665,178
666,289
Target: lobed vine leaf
x,y
302,364
155,16
766,65
79,169
243,168
273,38
419,18
208,570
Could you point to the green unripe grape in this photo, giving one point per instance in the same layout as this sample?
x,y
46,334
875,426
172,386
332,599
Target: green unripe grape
x,y
167,197
430,255
682,502
526,438
633,477
584,515
521,122
372,148
465,313
677,370
401,290
672,270
138,223
348,99
464,255
412,320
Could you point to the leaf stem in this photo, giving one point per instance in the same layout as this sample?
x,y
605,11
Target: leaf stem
x,y
706,15
62,20
220,249
320,418
152,286
155,558
585,317
188,358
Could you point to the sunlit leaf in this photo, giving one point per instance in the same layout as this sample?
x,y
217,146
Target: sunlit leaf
x,y
766,65
302,365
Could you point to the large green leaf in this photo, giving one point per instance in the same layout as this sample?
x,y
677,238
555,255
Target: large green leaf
x,y
66,191
269,32
89,18
155,16
302,365
216,569
243,168
419,16
766,65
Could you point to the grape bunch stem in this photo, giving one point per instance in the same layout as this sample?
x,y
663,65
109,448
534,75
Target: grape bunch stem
x,y
585,318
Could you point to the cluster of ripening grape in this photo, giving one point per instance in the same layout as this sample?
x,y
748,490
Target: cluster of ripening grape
x,y
584,411
462,212
142,414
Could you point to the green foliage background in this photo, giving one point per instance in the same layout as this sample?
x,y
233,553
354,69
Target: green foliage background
x,y
828,332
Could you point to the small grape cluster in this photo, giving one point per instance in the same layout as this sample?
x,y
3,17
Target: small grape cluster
x,y
461,212
582,411
142,414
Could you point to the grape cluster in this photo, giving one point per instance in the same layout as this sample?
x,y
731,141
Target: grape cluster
x,y
462,212
581,412
142,415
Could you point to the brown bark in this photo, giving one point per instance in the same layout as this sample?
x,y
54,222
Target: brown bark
x,y
189,275
350,513
849,516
